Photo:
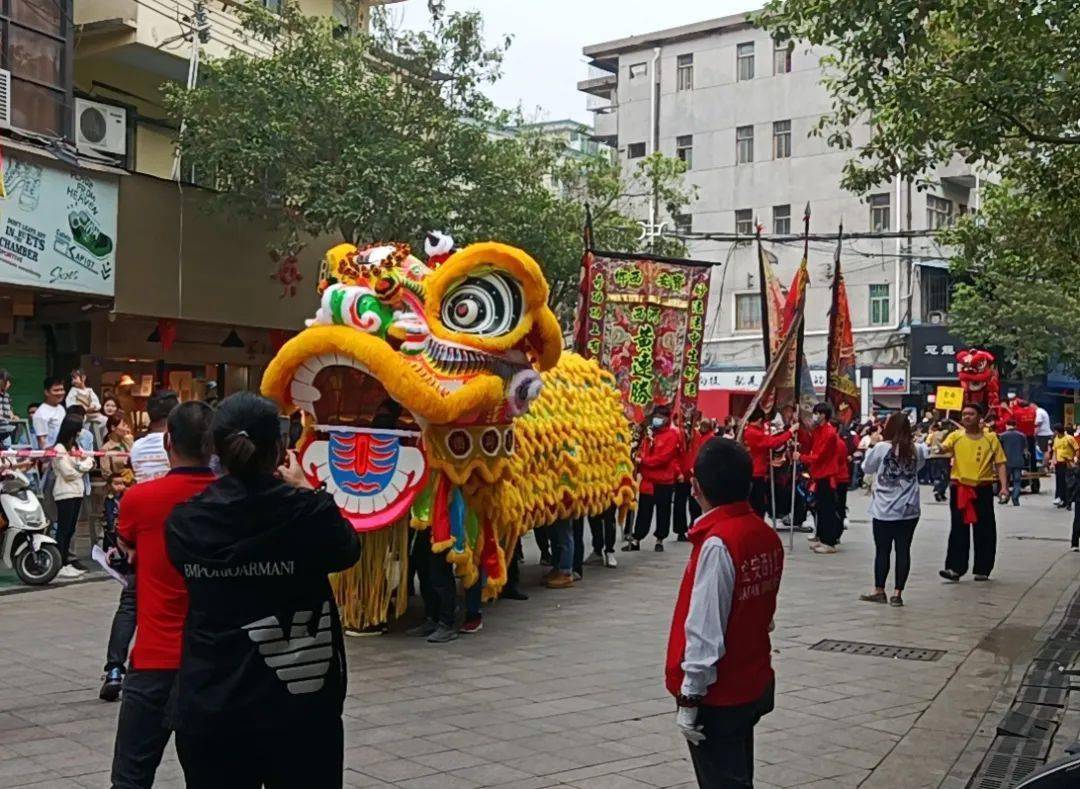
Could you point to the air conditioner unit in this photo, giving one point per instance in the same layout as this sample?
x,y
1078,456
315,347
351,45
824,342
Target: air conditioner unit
x,y
5,99
100,128
936,317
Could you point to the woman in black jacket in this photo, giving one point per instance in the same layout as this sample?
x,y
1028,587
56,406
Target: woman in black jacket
x,y
262,674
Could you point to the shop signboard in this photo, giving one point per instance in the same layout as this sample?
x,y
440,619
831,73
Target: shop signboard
x,y
887,380
57,227
933,353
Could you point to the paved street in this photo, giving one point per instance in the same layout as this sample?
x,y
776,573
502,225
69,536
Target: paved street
x,y
565,689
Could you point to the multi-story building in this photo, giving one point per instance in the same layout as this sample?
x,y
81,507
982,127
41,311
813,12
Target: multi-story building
x,y
739,107
108,259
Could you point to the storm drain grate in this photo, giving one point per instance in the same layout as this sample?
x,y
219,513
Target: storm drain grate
x,y
1002,772
878,650
1019,746
1032,721
1041,678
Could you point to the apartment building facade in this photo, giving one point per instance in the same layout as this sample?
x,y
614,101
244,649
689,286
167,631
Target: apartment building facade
x,y
739,108
108,261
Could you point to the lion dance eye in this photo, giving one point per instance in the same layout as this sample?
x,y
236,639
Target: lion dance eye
x,y
489,304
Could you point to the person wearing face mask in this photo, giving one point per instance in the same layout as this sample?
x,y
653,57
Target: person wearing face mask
x,y
819,458
760,446
658,462
719,656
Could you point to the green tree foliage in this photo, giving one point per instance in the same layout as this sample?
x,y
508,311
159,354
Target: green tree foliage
x,y
916,83
387,134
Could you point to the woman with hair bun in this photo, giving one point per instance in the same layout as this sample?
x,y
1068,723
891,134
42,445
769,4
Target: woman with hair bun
x,y
262,678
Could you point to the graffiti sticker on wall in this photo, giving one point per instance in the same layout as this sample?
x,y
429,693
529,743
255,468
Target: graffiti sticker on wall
x,y
57,227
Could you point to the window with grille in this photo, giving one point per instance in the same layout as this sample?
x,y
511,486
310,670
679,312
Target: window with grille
x,y
747,311
744,221
782,57
781,219
635,150
684,223
781,139
879,305
684,72
638,70
744,144
35,47
880,210
939,212
936,291
744,61
684,149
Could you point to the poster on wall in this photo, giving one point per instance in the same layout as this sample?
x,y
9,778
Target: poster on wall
x,y
644,320
57,227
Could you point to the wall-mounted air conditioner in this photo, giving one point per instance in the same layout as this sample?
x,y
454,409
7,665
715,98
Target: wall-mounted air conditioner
x,y
936,317
100,128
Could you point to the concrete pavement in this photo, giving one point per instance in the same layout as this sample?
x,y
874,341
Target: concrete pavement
x,y
566,688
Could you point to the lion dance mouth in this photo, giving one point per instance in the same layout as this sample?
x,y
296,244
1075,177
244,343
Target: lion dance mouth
x,y
436,396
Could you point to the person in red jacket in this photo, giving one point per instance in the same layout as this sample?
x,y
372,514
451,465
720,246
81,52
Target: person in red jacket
x,y
684,500
719,657
760,444
842,478
659,461
817,452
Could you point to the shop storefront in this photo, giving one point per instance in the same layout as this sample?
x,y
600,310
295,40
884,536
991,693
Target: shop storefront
x,y
933,359
730,390
58,230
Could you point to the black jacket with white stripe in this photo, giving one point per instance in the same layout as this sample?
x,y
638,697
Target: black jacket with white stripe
x,y
263,647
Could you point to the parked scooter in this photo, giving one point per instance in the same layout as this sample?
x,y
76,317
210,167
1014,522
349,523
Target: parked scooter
x,y
24,543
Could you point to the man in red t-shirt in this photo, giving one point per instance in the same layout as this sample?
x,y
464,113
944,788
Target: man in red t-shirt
x,y
161,597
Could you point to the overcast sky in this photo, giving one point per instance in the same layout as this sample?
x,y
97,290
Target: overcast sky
x,y
545,62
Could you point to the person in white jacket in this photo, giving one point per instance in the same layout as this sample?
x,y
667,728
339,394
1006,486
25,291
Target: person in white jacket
x,y
68,466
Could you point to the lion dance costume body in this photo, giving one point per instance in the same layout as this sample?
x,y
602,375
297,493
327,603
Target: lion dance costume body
x,y
437,397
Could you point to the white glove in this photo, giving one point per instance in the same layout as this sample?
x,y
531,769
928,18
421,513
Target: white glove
x,y
686,720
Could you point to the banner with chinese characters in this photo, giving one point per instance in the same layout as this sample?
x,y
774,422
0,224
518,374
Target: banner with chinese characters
x,y
644,320
58,226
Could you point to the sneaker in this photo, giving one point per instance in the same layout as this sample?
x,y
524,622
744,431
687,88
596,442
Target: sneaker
x,y
682,538
822,548
802,527
559,581
545,559
423,630
70,573
364,632
632,545
1076,549
78,565
786,520
1058,502
512,594
896,601
950,575
979,577
442,634
659,547
594,559
110,689
811,537
609,559
577,576
472,625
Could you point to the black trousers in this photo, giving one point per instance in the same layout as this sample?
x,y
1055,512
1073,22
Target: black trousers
x,y
841,504
1061,481
543,540
983,533
695,509
725,760
888,534
759,495
1076,527
308,753
123,627
940,475
437,585
67,517
602,527
660,501
142,730
577,565
681,504
828,529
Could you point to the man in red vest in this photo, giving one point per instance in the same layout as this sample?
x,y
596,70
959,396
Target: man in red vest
x,y
761,444
817,451
719,666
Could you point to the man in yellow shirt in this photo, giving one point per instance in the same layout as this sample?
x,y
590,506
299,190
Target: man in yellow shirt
x,y
1062,456
977,462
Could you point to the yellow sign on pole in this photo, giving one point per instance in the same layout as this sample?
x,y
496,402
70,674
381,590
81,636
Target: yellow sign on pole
x,y
949,398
